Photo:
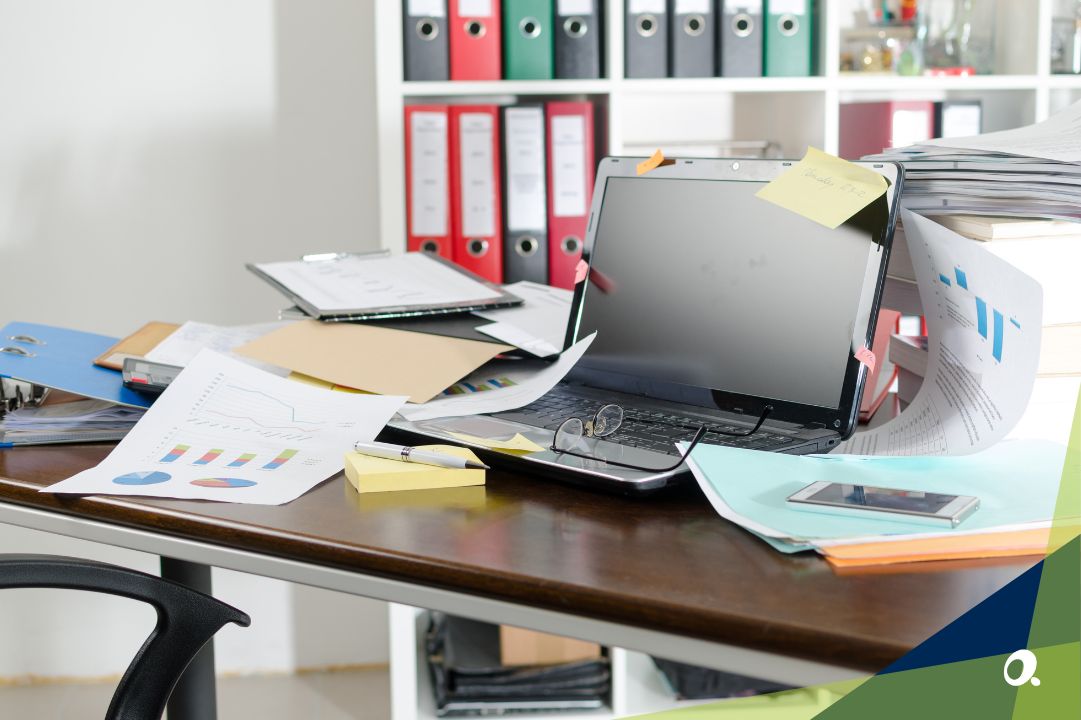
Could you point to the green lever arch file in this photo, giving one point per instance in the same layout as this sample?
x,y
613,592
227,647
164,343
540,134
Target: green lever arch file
x,y
789,38
527,39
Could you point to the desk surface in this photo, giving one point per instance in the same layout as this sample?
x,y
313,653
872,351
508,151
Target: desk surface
x,y
666,563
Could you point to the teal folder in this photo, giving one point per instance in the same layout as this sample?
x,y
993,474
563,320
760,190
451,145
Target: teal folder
x,y
789,38
63,359
528,50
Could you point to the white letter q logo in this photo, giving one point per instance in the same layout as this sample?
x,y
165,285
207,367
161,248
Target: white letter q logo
x,y
1028,669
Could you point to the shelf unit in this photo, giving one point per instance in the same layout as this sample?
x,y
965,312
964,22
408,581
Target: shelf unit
x,y
637,686
795,112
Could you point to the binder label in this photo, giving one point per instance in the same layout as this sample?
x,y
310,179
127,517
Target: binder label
x,y
477,181
525,168
429,173
653,7
574,7
427,8
751,7
688,7
475,8
568,166
788,7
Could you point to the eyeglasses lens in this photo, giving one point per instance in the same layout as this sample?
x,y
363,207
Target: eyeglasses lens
x,y
569,434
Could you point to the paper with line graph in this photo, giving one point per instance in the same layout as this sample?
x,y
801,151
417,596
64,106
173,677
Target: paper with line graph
x,y
224,430
983,336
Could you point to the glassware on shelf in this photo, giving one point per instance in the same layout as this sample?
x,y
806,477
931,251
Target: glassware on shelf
x,y
1066,37
883,49
957,36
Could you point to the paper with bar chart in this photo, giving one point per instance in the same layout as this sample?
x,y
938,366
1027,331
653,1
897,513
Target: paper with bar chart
x,y
983,336
227,431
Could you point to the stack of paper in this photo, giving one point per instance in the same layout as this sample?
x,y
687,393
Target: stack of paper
x,y
1016,482
965,175
78,421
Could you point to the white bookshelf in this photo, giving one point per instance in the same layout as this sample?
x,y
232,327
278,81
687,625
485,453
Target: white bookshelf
x,y
794,112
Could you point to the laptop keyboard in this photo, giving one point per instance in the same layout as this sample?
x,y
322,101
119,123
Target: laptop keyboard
x,y
645,428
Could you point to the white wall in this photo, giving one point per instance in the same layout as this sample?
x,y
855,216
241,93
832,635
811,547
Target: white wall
x,y
148,149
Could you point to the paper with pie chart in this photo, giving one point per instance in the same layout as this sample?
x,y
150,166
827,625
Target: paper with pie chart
x,y
227,431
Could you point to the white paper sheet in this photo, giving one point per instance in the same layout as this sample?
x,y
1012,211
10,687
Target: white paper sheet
x,y
538,326
983,328
528,381
189,339
359,283
1056,138
226,431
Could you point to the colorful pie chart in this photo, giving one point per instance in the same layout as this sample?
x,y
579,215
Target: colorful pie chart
x,y
150,477
223,483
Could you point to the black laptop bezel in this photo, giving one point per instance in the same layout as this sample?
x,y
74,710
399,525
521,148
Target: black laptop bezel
x,y
844,418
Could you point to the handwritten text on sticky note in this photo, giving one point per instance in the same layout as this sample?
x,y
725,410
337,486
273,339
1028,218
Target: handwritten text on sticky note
x,y
824,188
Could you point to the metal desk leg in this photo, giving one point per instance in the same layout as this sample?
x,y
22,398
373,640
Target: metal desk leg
x,y
195,694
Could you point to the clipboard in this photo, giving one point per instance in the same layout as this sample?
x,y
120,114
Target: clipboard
x,y
351,287
63,359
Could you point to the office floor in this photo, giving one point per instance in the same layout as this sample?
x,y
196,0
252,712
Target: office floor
x,y
347,695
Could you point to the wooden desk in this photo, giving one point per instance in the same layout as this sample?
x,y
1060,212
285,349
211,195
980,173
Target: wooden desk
x,y
664,575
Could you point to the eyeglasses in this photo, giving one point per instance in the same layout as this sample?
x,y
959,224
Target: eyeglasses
x,y
607,421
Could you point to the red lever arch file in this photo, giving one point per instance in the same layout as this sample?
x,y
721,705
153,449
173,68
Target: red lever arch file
x,y
477,242
570,186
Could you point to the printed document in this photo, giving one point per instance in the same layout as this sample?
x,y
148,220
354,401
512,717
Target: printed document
x,y
984,320
538,326
226,431
191,337
499,386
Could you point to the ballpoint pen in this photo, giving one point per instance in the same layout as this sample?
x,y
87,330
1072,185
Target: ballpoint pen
x,y
409,454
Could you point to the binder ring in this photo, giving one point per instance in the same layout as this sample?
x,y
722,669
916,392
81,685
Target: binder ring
x,y
571,244
788,25
475,28
576,27
694,25
27,339
530,27
427,29
430,246
646,25
526,246
477,247
742,25
16,351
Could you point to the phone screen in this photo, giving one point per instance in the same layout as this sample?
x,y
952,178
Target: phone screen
x,y
875,498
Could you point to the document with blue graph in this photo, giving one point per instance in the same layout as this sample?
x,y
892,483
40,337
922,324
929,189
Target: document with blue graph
x,y
227,431
984,318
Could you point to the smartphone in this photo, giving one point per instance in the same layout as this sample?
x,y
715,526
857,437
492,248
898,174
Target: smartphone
x,y
884,503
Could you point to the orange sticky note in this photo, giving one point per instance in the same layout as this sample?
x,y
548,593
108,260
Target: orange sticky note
x,y
652,163
581,270
866,357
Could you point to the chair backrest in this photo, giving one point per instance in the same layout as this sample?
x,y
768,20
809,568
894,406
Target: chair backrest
x,y
187,619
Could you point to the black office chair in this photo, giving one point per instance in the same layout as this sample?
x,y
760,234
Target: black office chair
x,y
186,621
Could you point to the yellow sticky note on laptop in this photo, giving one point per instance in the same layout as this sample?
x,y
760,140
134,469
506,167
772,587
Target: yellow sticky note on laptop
x,y
824,188
371,474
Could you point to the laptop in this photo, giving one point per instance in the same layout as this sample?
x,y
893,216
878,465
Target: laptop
x,y
711,308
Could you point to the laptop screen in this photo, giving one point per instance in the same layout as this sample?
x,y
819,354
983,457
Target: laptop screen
x,y
699,284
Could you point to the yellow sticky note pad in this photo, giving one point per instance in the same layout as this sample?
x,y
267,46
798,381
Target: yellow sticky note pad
x,y
517,444
371,474
824,188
